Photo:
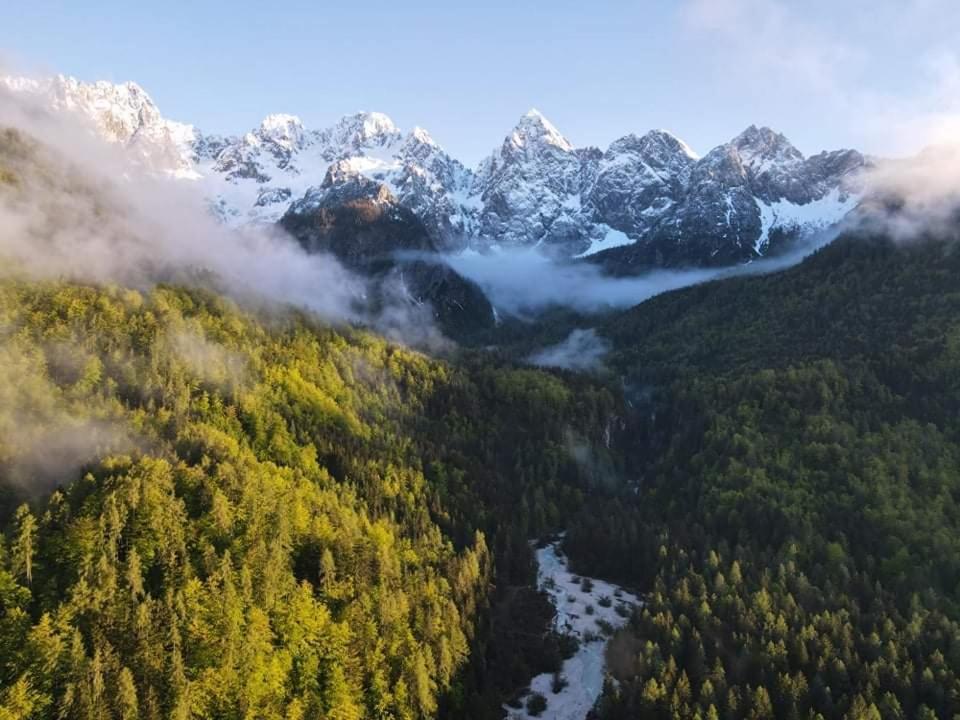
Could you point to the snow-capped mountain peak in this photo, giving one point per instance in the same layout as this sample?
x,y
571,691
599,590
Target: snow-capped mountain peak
x,y
362,130
419,148
120,109
666,139
535,128
258,176
421,136
284,130
659,148
761,147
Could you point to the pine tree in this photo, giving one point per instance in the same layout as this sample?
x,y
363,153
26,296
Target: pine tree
x,y
25,527
127,696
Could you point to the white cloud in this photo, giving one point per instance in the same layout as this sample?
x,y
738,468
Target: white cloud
x,y
884,73
775,39
581,350
524,282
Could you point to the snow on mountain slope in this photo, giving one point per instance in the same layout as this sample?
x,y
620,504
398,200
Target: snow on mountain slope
x,y
646,201
121,114
609,239
651,201
256,177
741,196
639,180
815,215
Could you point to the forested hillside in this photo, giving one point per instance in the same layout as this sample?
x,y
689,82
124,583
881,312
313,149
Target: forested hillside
x,y
211,513
796,519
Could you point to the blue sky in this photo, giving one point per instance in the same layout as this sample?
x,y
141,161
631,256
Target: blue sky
x,y
881,75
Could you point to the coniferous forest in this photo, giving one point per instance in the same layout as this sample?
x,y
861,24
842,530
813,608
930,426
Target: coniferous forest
x,y
795,521
267,518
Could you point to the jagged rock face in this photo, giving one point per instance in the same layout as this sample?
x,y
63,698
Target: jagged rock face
x,y
740,201
836,169
273,143
356,219
639,180
359,135
359,221
430,183
716,219
772,167
530,189
253,178
645,201
669,207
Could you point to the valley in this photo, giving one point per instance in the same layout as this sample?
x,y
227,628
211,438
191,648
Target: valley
x,y
588,609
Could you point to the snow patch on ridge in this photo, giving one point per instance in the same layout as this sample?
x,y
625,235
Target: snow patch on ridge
x,y
812,216
610,239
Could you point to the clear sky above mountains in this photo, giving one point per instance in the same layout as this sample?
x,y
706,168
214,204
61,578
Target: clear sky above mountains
x,y
881,75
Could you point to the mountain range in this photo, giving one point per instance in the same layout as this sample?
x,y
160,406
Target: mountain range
x,y
645,201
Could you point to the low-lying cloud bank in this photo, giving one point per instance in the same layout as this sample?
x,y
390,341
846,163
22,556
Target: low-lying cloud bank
x,y
524,282
914,197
